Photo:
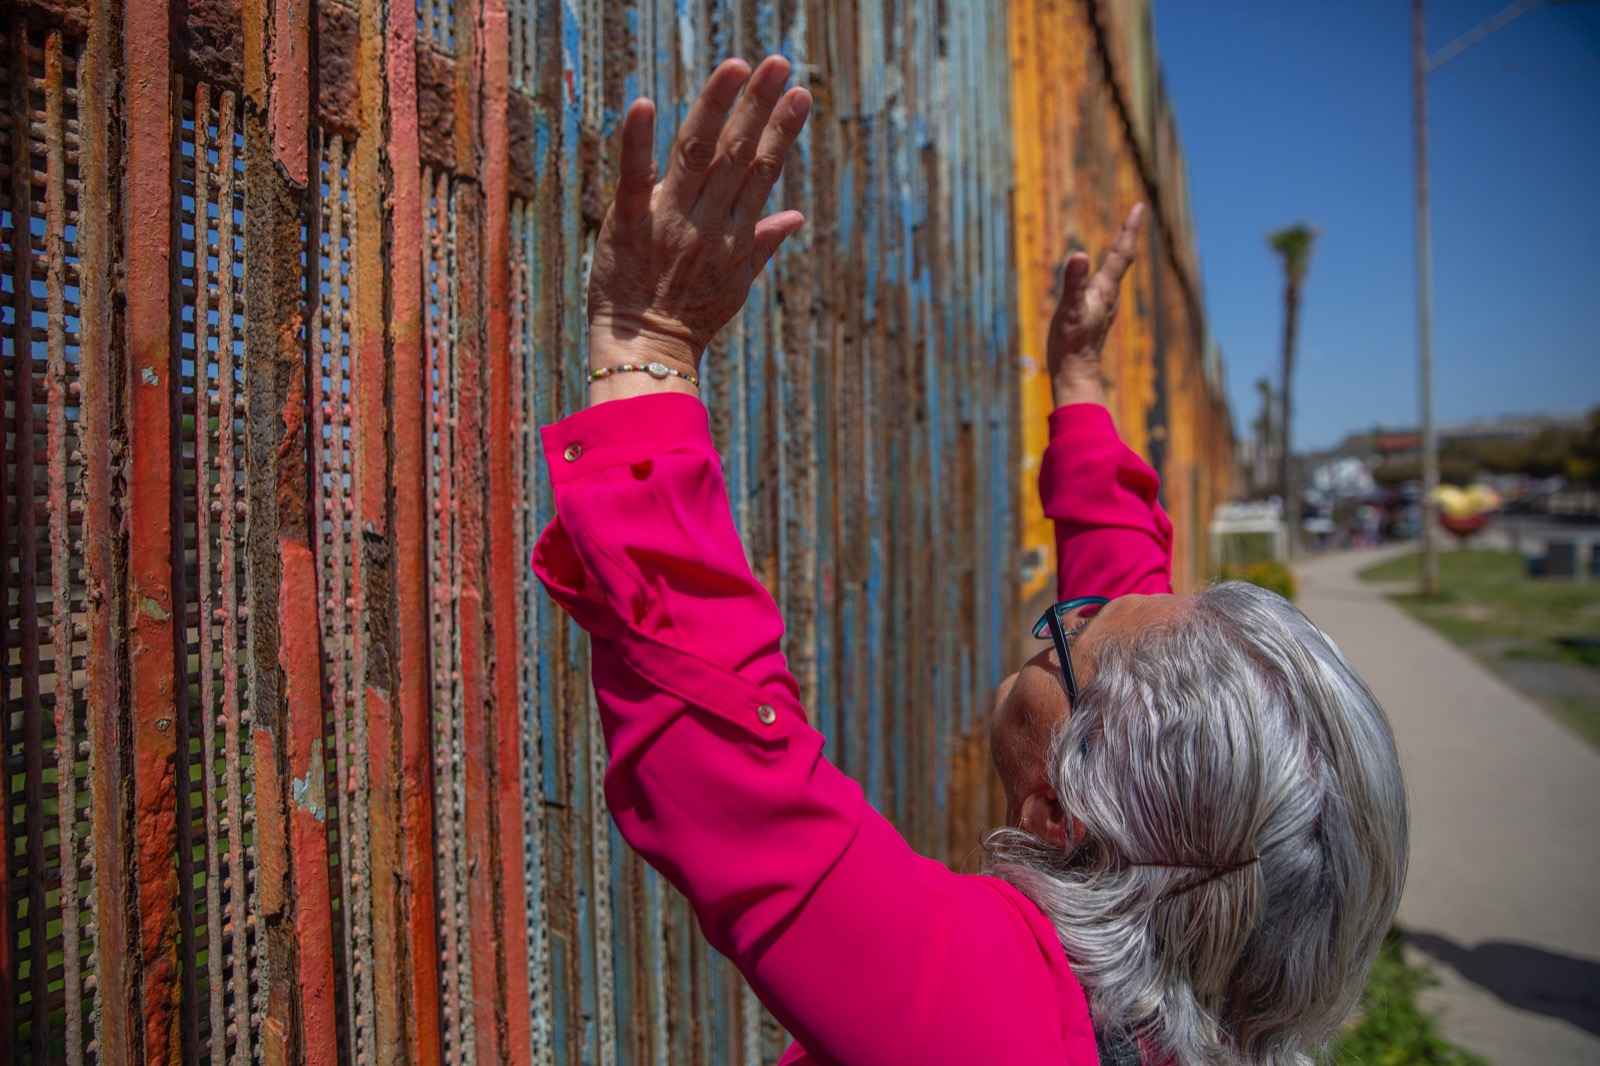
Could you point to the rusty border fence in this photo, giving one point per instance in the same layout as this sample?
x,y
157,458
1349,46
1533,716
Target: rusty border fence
x,y
299,763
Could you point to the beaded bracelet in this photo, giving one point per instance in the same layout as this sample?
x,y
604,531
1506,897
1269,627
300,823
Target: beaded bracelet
x,y
659,371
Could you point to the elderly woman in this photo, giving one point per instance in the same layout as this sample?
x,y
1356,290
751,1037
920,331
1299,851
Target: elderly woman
x,y
1206,828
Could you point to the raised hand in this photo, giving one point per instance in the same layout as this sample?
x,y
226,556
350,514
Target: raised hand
x,y
675,259
1084,316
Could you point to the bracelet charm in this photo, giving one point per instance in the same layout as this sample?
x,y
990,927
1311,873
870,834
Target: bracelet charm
x,y
657,370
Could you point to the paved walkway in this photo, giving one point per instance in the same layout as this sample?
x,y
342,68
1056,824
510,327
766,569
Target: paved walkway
x,y
1504,888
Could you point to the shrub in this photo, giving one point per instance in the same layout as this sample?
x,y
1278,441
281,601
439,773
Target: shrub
x,y
1274,576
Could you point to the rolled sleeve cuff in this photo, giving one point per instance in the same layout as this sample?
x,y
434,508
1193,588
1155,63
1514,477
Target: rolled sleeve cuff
x,y
624,432
1085,419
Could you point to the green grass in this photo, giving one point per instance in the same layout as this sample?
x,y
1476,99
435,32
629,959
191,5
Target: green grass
x,y
1392,1030
1491,608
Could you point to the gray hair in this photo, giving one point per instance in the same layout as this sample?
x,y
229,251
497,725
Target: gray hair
x,y
1238,731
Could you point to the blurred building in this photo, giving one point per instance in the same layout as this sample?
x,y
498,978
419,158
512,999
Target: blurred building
x,y
1406,443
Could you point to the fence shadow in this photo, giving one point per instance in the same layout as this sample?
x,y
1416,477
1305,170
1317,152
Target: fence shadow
x,y
1525,977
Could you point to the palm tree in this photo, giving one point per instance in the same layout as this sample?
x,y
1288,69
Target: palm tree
x,y
1261,470
1294,245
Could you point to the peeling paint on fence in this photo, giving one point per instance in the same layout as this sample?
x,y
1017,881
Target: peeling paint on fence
x,y
301,765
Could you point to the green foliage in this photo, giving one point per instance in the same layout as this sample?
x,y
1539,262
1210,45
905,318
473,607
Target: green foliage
x,y
1294,243
1555,450
1459,464
1547,453
1239,550
1583,465
1490,607
1275,576
1488,595
1391,1029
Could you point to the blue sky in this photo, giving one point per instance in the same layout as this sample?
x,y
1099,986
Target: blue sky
x,y
1296,111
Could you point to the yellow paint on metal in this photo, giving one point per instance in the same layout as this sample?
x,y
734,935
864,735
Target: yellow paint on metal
x,y
1076,173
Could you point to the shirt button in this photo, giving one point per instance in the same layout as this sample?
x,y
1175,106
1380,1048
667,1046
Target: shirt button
x,y
572,452
766,714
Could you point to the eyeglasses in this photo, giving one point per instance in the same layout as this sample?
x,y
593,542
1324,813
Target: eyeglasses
x,y
1053,626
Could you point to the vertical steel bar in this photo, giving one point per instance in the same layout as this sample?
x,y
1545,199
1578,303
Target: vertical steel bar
x,y
151,655
353,406
371,179
527,321
286,659
563,654
358,821
503,749
473,739
600,874
61,539
8,989
799,471
205,408
407,236
545,223
470,735
109,778
184,413
244,910
458,1044
24,394
332,510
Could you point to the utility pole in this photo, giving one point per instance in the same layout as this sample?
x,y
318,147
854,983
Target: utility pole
x,y
1421,66
1430,440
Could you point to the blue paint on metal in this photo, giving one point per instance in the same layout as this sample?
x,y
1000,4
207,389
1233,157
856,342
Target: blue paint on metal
x,y
631,85
629,954
850,672
534,678
874,609
864,402
542,149
576,757
846,193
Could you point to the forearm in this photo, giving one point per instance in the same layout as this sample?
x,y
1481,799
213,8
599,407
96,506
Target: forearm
x,y
714,774
1112,536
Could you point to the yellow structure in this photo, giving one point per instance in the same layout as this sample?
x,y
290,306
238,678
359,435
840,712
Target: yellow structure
x,y
1093,133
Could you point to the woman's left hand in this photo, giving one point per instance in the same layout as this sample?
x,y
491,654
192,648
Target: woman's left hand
x,y
675,260
1083,317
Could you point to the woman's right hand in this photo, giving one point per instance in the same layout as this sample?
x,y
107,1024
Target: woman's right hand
x,y
1083,318
675,259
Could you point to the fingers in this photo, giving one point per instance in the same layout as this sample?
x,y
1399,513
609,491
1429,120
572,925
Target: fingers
x,y
696,146
771,233
1120,256
637,178
1074,283
737,148
788,119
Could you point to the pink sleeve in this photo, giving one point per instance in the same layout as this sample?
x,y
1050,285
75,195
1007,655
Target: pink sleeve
x,y
1112,536
865,951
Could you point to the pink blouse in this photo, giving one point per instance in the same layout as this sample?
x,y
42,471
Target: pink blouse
x,y
865,951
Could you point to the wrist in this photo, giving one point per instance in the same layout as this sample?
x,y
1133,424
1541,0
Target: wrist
x,y
613,342
1078,388
611,345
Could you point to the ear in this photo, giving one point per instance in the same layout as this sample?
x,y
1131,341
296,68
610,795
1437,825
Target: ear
x,y
1001,693
1043,816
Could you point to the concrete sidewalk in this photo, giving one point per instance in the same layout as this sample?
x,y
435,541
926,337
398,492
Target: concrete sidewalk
x,y
1504,888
